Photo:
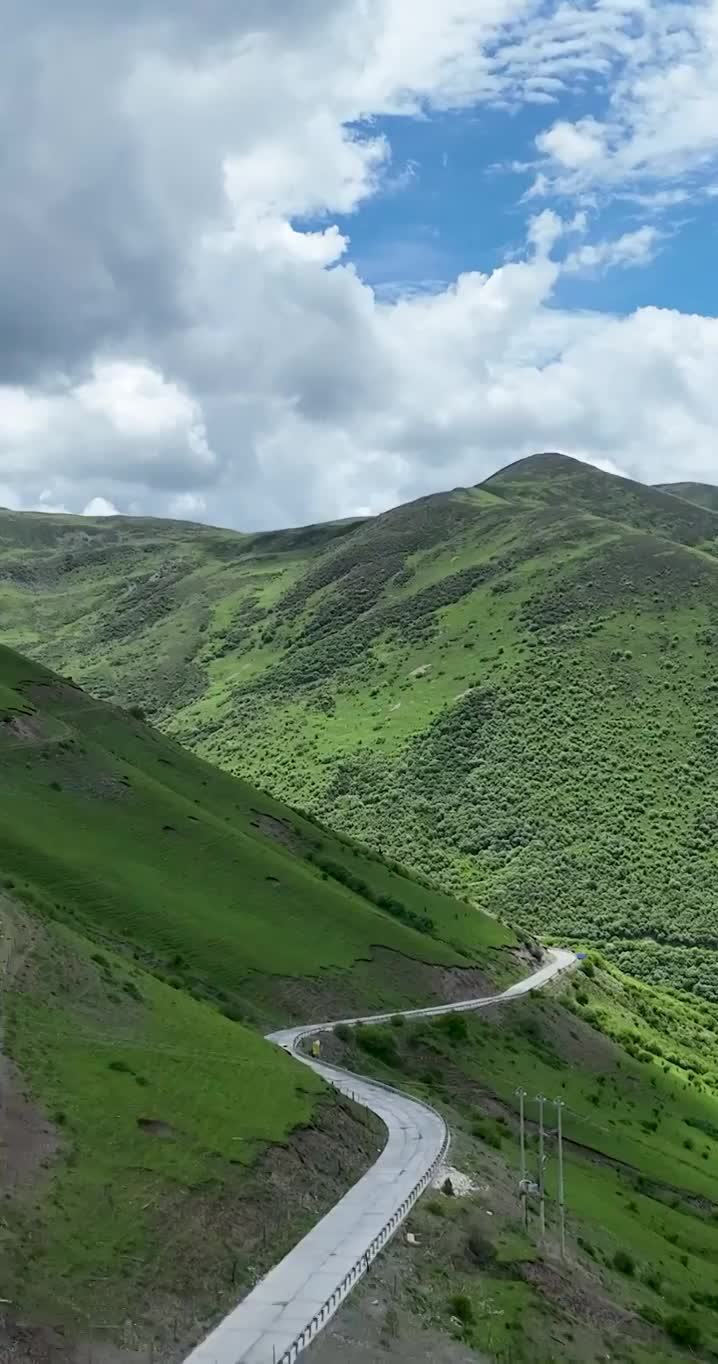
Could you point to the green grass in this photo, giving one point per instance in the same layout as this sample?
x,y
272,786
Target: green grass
x,y
508,689
150,908
98,1058
641,1168
124,834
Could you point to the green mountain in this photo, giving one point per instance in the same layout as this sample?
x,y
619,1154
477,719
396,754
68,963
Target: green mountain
x,y
509,688
151,909
701,494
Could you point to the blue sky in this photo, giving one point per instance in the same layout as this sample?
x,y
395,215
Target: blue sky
x,y
453,202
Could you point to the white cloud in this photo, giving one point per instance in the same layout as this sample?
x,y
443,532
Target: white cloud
x,y
661,120
183,330
632,248
99,506
574,146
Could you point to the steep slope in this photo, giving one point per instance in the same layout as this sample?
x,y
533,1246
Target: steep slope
x,y
510,688
149,909
123,833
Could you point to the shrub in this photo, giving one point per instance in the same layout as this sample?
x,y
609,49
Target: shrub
x,y
480,1248
683,1330
380,1044
461,1307
623,1262
486,1132
455,1027
343,1032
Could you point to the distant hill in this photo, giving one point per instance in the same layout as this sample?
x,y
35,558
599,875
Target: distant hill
x,y
701,494
510,688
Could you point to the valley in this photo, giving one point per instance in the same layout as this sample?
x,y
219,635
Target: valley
x,y
255,782
509,689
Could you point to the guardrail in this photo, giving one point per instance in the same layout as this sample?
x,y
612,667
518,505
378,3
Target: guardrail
x,y
352,1277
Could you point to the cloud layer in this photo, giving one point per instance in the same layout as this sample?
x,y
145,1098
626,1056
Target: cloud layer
x,y
175,339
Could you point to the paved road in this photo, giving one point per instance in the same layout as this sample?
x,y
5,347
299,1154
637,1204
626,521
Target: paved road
x,y
294,1300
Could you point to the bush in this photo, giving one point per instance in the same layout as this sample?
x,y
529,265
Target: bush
x,y
343,1032
456,1027
380,1044
461,1307
486,1131
623,1262
683,1330
480,1248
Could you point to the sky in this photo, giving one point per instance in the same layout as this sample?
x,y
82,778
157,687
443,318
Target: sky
x,y
270,264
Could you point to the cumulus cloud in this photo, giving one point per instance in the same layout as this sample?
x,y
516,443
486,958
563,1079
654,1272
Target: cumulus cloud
x,y
181,332
99,506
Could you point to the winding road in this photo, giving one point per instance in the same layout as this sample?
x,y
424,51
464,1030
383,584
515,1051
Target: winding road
x,y
294,1301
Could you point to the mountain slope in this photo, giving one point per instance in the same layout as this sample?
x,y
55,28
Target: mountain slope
x,y
510,688
635,1069
124,833
149,908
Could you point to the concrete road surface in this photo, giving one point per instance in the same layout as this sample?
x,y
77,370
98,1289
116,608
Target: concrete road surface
x,y
291,1304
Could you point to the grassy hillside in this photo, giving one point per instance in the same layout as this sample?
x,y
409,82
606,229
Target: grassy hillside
x,y
510,688
702,494
637,1072
150,908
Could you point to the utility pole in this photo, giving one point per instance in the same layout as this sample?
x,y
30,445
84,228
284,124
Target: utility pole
x,y
561,1207
542,1161
524,1182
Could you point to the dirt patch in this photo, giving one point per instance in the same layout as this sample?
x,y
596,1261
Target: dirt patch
x,y
365,988
157,1128
279,829
218,1244
24,1344
370,1327
28,729
580,1297
28,1140
42,692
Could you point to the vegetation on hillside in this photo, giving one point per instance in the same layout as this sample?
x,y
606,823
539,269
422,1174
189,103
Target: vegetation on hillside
x,y
637,1071
510,689
151,908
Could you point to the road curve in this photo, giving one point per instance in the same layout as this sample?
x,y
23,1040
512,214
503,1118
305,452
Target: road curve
x,y
292,1303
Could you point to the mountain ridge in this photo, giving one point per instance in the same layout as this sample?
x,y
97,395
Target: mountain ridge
x,y
514,646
